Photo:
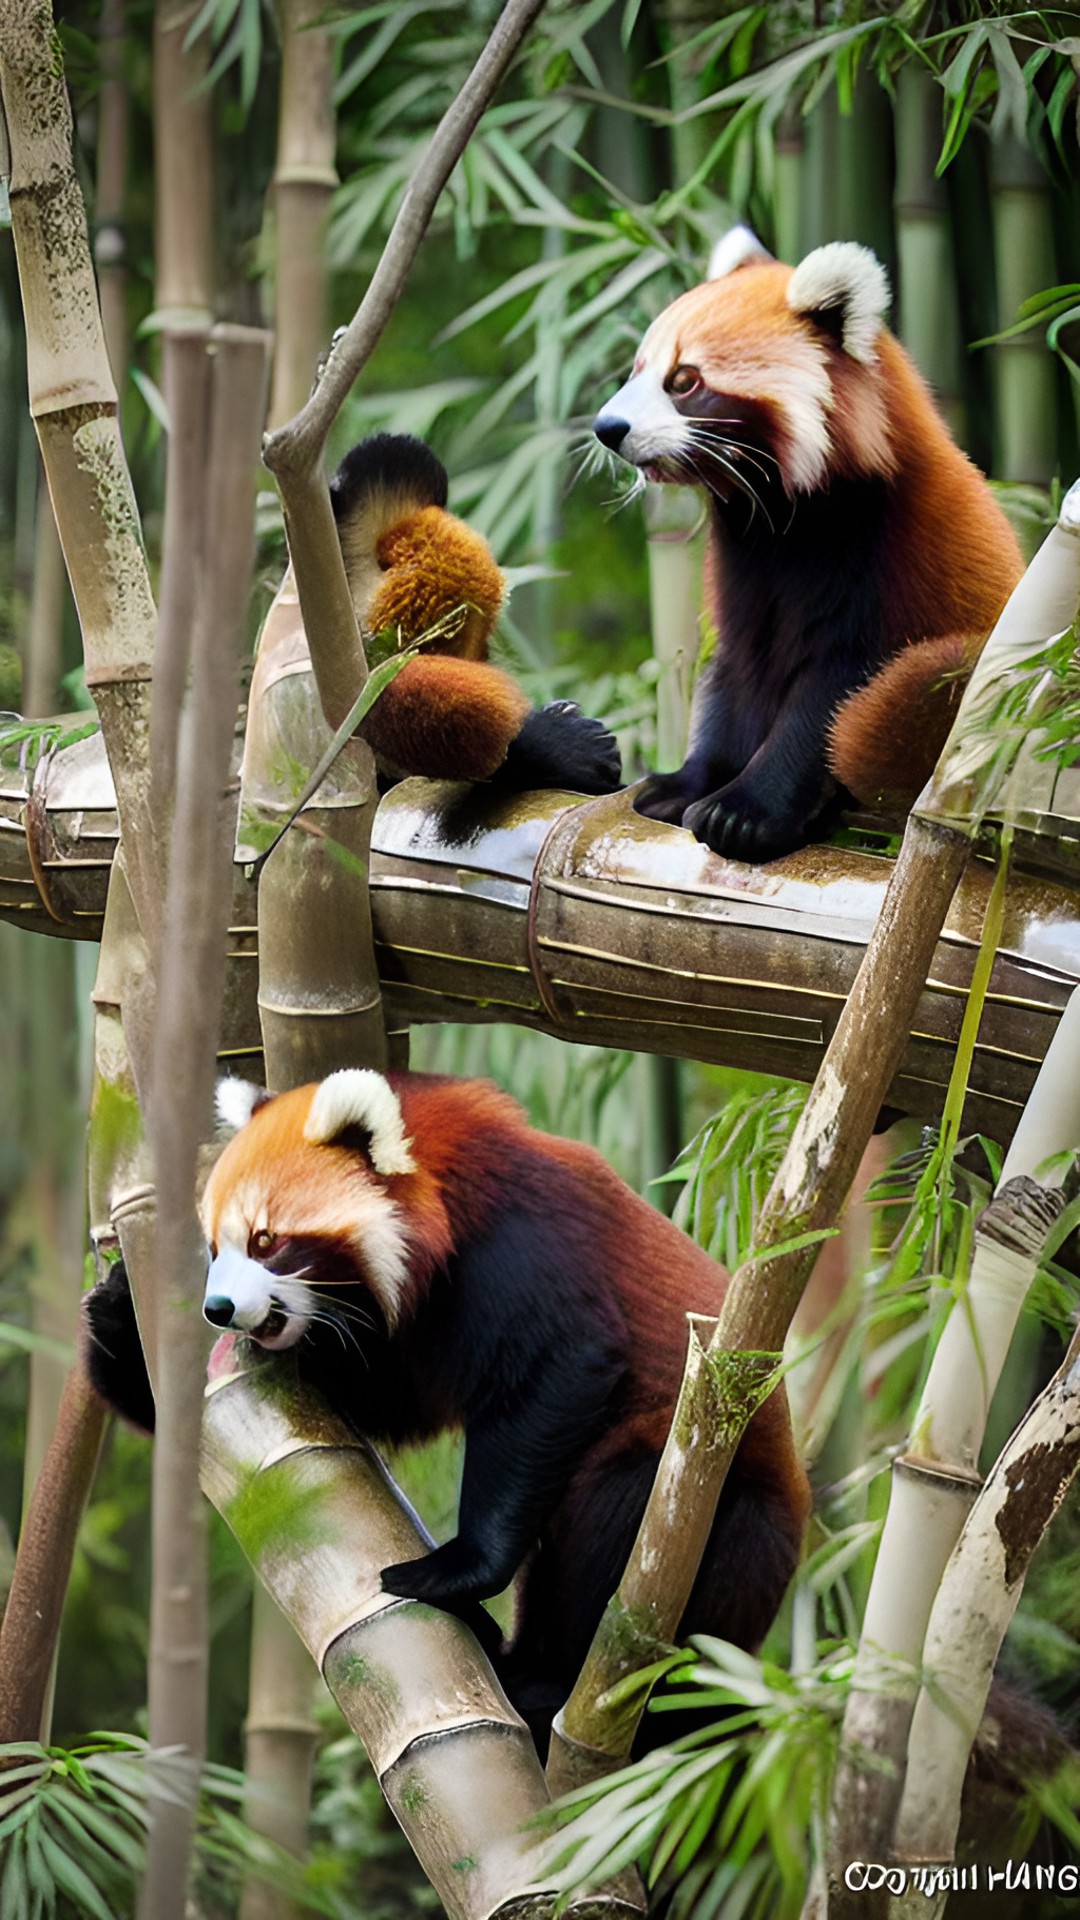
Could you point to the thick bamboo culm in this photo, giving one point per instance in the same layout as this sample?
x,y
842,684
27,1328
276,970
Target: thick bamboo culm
x,y
312,1510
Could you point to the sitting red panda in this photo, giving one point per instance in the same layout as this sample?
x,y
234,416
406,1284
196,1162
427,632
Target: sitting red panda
x,y
857,559
449,713
436,1263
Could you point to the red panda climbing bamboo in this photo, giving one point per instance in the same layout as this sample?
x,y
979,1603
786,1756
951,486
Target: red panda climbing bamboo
x,y
857,559
433,1262
412,567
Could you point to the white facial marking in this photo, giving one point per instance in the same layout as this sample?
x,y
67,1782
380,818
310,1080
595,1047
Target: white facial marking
x,y
357,1096
657,428
253,1292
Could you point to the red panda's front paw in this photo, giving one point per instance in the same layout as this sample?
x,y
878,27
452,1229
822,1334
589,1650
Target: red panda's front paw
x,y
450,1576
662,796
733,822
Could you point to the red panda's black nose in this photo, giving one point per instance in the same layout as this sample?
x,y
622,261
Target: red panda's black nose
x,y
612,431
218,1310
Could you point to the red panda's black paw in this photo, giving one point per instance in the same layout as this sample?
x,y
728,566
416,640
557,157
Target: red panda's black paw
x,y
559,746
663,796
734,824
449,1577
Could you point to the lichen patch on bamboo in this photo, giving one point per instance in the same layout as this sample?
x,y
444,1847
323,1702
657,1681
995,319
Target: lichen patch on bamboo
x,y
742,1378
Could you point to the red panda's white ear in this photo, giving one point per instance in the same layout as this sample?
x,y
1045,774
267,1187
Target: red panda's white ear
x,y
844,286
236,1100
738,247
360,1097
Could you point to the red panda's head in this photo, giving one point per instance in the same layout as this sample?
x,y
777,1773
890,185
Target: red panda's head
x,y
307,1196
766,378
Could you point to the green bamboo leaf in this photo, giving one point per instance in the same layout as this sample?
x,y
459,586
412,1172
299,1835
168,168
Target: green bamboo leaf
x,y
1011,113
115,1834
14,1886
73,1881
587,260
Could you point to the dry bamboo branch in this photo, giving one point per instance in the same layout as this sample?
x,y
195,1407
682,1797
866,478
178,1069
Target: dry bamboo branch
x,y
31,1620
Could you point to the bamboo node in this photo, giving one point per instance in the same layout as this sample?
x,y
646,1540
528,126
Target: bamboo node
x,y
1020,1216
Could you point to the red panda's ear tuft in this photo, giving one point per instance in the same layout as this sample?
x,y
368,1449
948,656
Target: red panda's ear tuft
x,y
738,247
845,289
359,1098
235,1101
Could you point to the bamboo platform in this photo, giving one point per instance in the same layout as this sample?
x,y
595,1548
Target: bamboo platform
x,y
583,920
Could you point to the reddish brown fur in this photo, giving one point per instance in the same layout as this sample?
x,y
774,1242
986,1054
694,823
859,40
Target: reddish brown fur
x,y
437,569
455,718
885,740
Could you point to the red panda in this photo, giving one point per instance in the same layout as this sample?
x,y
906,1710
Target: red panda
x,y
434,1263
449,713
857,559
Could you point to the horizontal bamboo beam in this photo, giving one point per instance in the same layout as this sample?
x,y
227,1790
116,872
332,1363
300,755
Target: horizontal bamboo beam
x,y
583,920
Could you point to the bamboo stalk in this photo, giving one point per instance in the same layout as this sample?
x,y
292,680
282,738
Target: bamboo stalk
x,y
31,1622
111,179
190,973
1025,375
304,182
73,402
314,1513
184,276
929,318
280,1737
279,1733
975,1603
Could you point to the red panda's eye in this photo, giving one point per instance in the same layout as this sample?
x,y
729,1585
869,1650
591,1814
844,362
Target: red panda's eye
x,y
262,1243
683,380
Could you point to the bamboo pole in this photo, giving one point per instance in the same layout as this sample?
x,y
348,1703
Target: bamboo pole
x,y
279,1732
1025,374
813,1179
975,1603
31,1622
184,224
929,318
190,973
73,403
111,180
312,1510
280,1737
304,182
